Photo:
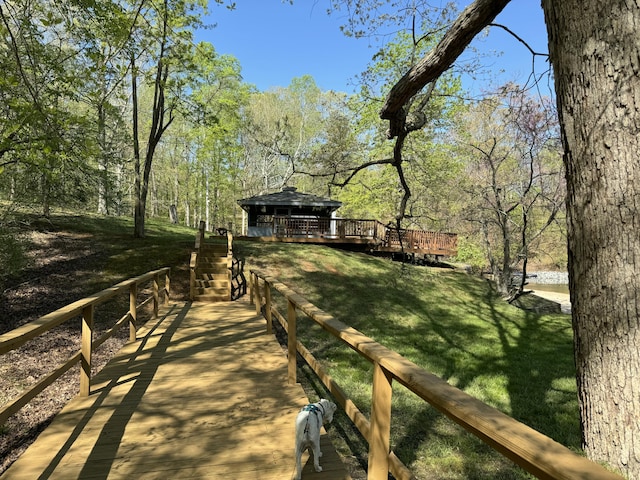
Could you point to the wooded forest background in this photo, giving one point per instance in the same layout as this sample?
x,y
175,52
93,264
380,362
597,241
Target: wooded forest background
x,y
111,107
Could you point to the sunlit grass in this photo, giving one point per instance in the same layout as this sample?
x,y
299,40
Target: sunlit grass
x,y
449,323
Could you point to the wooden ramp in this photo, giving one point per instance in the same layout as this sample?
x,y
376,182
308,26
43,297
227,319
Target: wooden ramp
x,y
201,394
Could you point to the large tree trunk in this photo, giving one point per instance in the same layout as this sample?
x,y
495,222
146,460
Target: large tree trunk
x,y
140,207
595,52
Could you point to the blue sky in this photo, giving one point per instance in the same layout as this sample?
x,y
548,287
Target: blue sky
x,y
276,42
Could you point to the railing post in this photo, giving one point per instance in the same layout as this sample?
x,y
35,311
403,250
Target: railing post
x,y
133,311
156,294
167,286
193,263
230,261
380,424
200,234
291,342
85,356
251,287
256,289
267,306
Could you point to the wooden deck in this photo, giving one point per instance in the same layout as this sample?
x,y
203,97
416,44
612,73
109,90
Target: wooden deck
x,y
202,393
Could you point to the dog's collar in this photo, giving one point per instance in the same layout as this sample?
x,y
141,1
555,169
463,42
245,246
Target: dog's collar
x,y
314,408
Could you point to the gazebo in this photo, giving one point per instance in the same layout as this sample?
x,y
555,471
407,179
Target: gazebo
x,y
289,213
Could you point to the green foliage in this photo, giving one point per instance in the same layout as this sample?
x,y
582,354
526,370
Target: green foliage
x,y
422,161
471,254
12,254
367,196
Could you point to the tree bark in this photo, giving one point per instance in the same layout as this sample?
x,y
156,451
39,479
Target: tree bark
x,y
595,52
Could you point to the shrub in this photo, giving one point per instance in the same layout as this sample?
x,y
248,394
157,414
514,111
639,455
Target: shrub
x,y
12,255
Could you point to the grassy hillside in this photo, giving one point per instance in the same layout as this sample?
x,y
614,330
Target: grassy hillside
x,y
453,325
67,257
450,323
54,262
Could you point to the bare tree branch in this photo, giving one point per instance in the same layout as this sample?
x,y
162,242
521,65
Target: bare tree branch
x,y
520,39
386,161
470,22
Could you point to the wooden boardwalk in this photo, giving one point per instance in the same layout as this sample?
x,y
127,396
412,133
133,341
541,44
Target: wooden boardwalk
x,y
202,393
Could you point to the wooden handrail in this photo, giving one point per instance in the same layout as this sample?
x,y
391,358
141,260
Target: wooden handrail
x,y
85,307
533,451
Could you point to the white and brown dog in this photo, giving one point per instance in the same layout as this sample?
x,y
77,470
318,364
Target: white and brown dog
x,y
308,424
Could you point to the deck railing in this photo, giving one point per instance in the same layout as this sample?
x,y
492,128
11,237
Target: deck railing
x,y
533,451
84,308
383,237
286,226
407,239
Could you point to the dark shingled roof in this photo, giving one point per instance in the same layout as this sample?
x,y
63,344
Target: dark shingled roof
x,y
289,196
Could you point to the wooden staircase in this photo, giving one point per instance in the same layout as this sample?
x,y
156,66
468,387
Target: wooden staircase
x,y
212,282
210,267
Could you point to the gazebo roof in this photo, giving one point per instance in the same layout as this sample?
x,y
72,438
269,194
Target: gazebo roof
x,y
289,196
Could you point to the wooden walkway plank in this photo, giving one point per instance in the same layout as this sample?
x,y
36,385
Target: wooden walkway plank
x,y
201,394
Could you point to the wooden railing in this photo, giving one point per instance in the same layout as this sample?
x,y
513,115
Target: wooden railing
x,y
238,279
193,261
409,240
385,237
536,453
86,309
285,226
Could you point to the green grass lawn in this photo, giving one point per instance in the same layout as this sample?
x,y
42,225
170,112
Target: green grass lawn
x,y
451,324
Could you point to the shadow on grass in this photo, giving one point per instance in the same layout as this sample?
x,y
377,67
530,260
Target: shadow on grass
x,y
457,327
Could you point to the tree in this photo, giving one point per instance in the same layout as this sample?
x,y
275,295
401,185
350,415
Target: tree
x,y
100,35
417,154
42,146
512,184
163,55
594,50
285,134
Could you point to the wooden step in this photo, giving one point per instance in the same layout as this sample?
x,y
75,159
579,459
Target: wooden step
x,y
212,291
217,262
214,249
207,274
217,283
211,297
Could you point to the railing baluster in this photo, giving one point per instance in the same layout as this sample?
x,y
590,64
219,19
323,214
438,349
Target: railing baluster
x,y
291,342
85,358
156,294
167,287
267,306
380,424
133,311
